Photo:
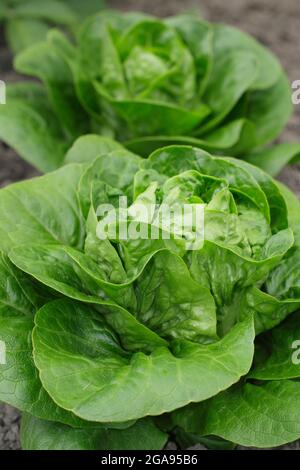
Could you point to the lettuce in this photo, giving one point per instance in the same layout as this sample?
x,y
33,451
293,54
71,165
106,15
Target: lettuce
x,y
108,339
149,83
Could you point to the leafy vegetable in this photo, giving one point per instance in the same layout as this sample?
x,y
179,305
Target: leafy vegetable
x,y
148,83
91,324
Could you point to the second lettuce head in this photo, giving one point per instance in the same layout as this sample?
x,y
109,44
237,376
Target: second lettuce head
x,y
148,82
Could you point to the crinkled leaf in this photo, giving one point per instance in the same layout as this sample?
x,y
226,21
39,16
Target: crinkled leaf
x,y
172,303
268,310
284,280
173,160
228,274
75,276
275,196
116,170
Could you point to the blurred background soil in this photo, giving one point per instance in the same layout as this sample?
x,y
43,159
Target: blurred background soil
x,y
275,23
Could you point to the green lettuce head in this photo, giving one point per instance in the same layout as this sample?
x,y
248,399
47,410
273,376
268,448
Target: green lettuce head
x,y
147,83
115,342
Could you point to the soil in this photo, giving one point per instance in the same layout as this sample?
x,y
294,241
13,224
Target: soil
x,y
275,23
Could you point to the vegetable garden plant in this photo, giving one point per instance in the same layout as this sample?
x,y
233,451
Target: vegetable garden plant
x,y
123,344
147,83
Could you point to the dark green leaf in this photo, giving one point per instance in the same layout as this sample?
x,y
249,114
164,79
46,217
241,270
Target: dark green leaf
x,y
264,415
43,435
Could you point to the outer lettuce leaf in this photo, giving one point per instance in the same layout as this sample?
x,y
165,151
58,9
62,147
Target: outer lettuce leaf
x,y
268,310
282,358
227,38
87,147
43,435
87,8
264,415
95,378
40,140
186,440
152,118
275,196
43,62
28,21
24,32
30,134
54,11
28,210
293,206
270,112
238,71
229,138
273,159
20,385
283,280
